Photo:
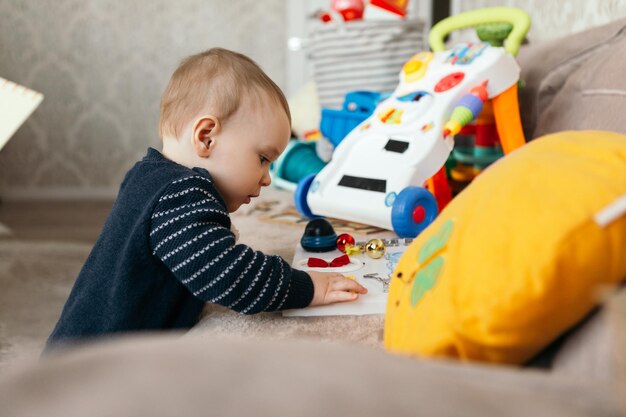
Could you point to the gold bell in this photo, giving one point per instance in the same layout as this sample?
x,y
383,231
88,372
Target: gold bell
x,y
375,248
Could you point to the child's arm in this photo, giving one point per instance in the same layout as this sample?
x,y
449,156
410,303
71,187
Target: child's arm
x,y
190,234
332,287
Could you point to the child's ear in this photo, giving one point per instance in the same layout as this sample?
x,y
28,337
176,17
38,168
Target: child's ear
x,y
203,135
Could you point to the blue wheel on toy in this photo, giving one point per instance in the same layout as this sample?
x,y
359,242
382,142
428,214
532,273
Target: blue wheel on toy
x,y
412,211
300,196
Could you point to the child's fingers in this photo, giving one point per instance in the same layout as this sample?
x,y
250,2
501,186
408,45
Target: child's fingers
x,y
345,284
341,296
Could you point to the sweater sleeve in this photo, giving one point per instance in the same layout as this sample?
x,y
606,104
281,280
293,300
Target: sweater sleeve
x,y
190,233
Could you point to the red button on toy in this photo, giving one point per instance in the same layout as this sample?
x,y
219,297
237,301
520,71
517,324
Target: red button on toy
x,y
449,81
419,214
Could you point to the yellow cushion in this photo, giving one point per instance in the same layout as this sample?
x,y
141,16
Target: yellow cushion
x,y
516,258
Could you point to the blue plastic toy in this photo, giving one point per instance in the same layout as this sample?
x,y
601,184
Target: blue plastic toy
x,y
299,160
357,106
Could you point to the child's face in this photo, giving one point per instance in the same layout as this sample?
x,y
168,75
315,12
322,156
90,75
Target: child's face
x,y
247,144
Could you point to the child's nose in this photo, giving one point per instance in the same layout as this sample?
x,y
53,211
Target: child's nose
x,y
266,179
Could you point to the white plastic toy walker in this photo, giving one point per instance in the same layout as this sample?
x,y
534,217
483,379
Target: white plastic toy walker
x,y
389,171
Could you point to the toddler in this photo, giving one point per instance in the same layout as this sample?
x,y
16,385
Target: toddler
x,y
167,247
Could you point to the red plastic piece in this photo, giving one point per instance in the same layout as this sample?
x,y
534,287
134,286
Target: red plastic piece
x,y
419,214
449,81
468,130
487,135
326,17
335,263
480,91
349,9
439,186
343,240
394,6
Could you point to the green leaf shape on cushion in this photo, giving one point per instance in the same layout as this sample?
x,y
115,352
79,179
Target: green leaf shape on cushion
x,y
436,243
430,262
425,279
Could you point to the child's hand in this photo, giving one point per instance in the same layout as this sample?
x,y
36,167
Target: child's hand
x,y
332,287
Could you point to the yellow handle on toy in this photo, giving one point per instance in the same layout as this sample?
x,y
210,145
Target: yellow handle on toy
x,y
513,15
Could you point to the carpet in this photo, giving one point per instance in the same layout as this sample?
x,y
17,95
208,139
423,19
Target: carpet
x,y
36,278
4,231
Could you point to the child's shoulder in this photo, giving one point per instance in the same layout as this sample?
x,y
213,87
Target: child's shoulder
x,y
154,174
157,178
156,168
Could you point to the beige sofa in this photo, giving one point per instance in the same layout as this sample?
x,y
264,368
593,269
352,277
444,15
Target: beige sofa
x,y
161,375
572,83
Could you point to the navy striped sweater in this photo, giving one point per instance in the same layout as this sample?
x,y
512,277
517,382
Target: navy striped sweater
x,y
166,249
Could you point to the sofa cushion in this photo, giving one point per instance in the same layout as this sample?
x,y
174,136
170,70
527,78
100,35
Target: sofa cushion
x,y
172,376
518,257
575,82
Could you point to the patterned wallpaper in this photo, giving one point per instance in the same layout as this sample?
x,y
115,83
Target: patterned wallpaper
x,y
102,65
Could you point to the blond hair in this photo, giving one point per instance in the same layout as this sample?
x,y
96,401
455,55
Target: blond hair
x,y
217,80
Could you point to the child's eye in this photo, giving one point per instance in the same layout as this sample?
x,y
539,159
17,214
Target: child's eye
x,y
263,159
